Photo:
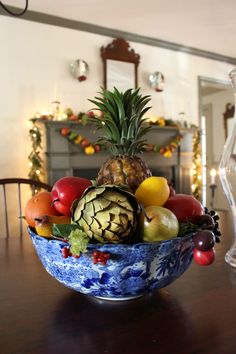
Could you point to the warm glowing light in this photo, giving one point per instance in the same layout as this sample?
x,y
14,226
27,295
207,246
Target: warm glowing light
x,y
213,173
37,172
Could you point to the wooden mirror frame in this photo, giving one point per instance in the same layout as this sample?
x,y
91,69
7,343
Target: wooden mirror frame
x,y
119,50
229,114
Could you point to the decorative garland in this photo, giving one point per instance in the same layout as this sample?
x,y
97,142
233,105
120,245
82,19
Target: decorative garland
x,y
89,148
197,166
34,157
168,150
163,122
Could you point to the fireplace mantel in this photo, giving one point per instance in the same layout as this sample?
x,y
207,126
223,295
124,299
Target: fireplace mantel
x,y
64,158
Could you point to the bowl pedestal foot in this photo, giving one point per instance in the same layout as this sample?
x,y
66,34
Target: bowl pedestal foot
x,y
124,298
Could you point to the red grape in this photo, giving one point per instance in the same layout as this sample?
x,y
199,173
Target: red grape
x,y
204,257
204,240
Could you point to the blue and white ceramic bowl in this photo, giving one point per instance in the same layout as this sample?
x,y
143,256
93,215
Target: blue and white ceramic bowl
x,y
131,271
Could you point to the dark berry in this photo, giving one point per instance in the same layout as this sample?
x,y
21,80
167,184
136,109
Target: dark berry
x,y
204,240
206,221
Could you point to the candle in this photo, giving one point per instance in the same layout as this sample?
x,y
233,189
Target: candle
x,y
213,175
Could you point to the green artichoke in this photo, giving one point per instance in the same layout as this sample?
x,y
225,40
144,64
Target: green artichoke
x,y
107,213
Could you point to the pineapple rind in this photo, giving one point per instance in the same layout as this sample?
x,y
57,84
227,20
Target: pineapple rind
x,y
121,170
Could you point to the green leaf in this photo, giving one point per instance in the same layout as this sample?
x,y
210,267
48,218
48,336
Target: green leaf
x,y
63,230
186,228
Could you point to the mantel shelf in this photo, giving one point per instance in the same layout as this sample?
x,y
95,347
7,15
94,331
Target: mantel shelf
x,y
67,122
65,159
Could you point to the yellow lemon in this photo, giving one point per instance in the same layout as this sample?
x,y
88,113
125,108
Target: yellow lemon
x,y
153,191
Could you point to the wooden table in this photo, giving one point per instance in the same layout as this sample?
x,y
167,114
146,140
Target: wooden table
x,y
194,315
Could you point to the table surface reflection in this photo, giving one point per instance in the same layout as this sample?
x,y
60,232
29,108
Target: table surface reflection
x,y
194,315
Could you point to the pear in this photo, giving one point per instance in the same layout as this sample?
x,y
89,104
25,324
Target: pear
x,y
44,223
158,224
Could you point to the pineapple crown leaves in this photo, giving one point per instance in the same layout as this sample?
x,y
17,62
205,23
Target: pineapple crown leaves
x,y
123,124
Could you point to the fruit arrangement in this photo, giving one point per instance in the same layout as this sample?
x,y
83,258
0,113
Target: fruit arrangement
x,y
113,214
126,204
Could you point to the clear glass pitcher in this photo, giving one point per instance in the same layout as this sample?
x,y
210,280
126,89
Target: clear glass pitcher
x,y
227,172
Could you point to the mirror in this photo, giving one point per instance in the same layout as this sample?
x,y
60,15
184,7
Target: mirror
x,y
228,118
120,65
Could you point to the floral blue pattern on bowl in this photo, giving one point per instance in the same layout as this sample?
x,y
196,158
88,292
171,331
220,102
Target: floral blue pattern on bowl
x,y
131,271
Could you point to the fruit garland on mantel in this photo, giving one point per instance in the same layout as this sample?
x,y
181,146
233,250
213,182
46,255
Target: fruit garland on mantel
x,y
89,148
36,161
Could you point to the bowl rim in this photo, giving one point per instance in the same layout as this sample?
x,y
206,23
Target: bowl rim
x,y
96,245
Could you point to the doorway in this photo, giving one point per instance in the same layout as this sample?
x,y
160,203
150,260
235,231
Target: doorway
x,y
214,95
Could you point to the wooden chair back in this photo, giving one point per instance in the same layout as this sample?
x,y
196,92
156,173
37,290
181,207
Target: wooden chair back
x,y
19,182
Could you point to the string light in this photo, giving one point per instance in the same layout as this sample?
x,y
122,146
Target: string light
x,y
35,160
196,170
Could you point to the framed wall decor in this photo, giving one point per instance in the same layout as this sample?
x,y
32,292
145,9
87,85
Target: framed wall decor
x,y
120,65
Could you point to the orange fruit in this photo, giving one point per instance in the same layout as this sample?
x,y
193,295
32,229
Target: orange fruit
x,y
153,191
40,204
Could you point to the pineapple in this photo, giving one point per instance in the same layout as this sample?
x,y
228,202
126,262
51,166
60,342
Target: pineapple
x,y
123,127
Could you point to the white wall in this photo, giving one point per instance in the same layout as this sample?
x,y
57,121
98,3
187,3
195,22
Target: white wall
x,y
34,71
34,64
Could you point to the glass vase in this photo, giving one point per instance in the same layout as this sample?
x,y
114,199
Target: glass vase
x,y
227,172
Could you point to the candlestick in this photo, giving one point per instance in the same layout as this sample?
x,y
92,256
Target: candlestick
x,y
213,190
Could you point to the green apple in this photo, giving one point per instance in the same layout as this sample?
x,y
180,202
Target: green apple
x,y
158,224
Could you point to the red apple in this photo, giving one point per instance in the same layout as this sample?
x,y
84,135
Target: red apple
x,y
66,190
65,131
85,143
90,114
184,206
